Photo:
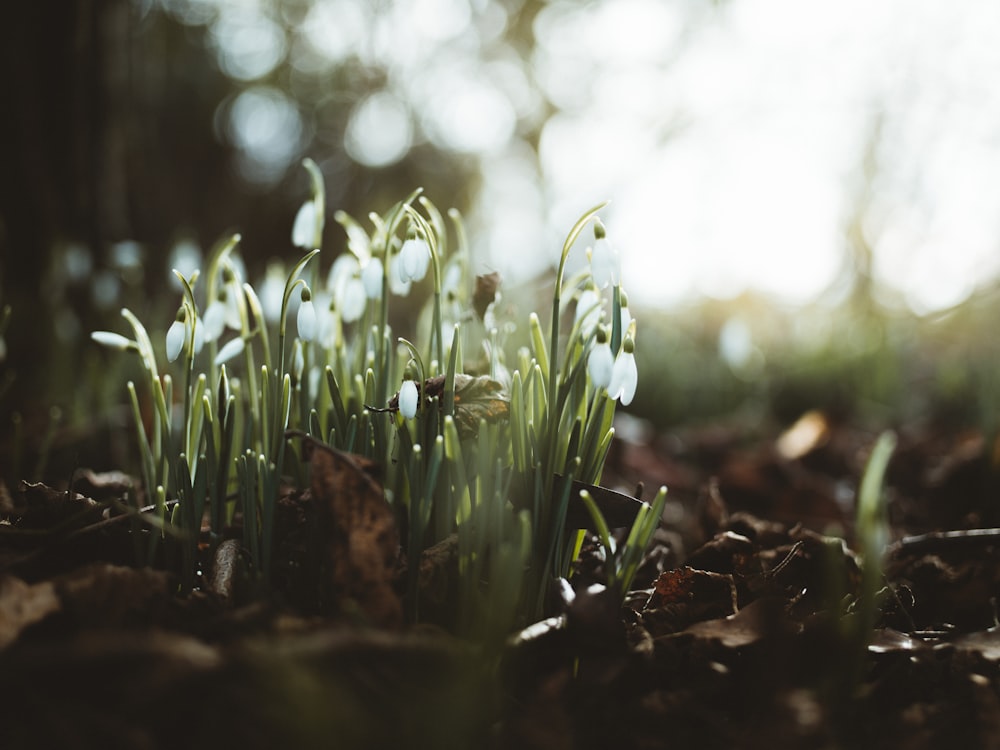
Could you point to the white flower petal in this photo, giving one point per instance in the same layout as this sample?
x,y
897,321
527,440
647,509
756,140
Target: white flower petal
x,y
624,378
588,311
271,292
626,320
176,335
305,320
352,303
232,348
408,397
343,269
371,277
112,340
397,284
199,335
605,263
304,228
414,257
600,364
215,320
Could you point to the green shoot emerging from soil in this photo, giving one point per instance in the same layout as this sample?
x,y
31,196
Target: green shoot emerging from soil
x,y
483,454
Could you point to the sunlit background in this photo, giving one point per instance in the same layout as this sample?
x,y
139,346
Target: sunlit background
x,y
744,144
798,153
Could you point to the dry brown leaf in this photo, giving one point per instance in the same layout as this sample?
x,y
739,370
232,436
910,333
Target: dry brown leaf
x,y
361,542
22,605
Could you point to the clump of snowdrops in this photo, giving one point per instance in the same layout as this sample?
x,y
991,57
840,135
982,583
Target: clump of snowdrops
x,y
487,452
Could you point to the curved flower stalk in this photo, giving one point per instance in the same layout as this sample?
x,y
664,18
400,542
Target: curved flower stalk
x,y
307,229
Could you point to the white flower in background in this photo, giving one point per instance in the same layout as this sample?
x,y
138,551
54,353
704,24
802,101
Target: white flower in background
x,y
605,263
199,335
304,228
185,257
344,268
353,300
601,361
371,277
326,319
397,285
113,340
588,310
298,360
414,259
271,292
232,348
624,375
215,317
176,335
408,398
305,320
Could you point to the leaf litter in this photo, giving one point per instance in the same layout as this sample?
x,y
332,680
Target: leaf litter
x,y
740,630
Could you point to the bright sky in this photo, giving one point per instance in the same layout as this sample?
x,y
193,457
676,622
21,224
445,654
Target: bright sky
x,y
737,141
739,163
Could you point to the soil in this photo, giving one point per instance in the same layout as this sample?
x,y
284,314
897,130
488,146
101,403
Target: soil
x,y
746,627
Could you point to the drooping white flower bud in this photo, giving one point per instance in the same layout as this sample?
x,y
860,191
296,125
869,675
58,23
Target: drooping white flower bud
x,y
371,277
353,301
414,259
306,318
588,310
215,317
605,263
408,397
113,340
624,375
601,361
397,284
232,348
304,228
176,335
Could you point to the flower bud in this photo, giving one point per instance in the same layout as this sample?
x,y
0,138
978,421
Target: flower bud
x,y
176,335
408,397
306,318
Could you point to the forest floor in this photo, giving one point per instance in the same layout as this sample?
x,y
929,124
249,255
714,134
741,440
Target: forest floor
x,y
746,627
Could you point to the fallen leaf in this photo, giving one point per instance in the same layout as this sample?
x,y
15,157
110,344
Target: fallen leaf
x,y
22,605
359,535
476,398
485,293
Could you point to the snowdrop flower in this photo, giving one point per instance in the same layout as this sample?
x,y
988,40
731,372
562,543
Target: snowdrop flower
x,y
113,340
601,361
352,302
414,258
230,350
326,319
306,318
371,278
605,263
588,310
408,398
185,256
271,292
199,335
215,317
304,228
624,375
176,335
626,316
344,268
397,285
